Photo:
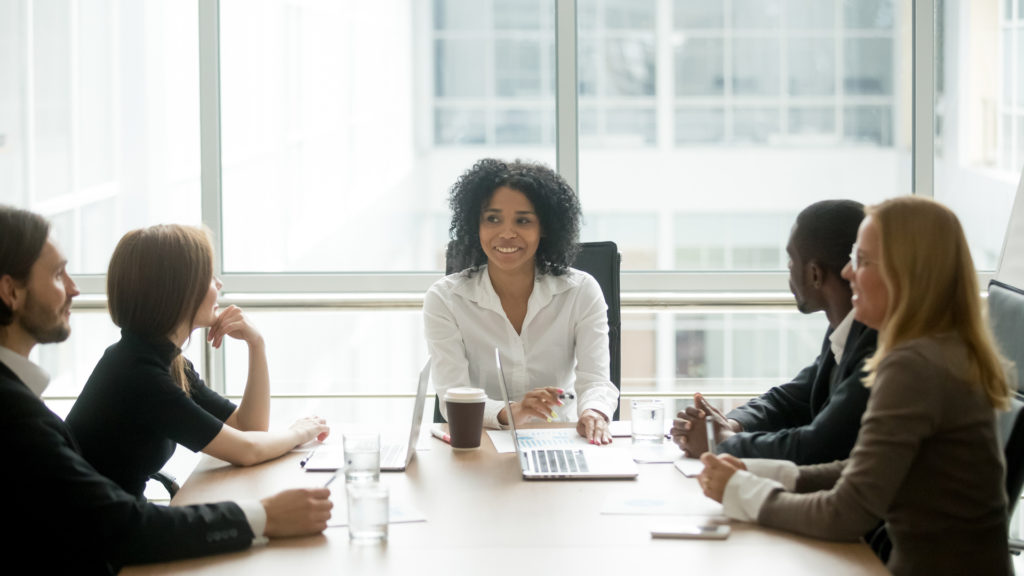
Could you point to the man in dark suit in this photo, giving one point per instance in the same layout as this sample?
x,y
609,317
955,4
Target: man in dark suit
x,y
63,517
815,417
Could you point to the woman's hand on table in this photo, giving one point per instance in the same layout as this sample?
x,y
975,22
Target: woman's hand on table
x,y
594,427
535,405
310,428
717,472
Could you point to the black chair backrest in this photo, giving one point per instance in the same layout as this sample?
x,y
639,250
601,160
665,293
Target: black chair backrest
x,y
602,261
1006,315
1011,434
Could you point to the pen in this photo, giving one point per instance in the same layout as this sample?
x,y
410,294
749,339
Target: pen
x,y
440,435
712,440
309,456
333,476
566,396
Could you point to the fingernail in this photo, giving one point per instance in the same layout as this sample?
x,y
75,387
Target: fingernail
x,y
560,403
554,414
549,418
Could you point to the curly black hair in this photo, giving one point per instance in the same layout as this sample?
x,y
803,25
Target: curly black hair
x,y
555,202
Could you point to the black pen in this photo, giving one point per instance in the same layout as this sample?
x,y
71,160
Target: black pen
x,y
309,456
566,396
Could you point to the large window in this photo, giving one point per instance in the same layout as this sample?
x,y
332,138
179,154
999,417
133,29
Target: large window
x,y
345,123
99,118
980,117
335,129
743,112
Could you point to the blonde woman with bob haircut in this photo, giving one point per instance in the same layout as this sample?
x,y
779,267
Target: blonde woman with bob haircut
x,y
927,459
144,397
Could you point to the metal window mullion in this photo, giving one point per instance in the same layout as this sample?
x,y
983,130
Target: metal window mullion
x,y
74,95
665,84
840,69
566,93
923,90
210,158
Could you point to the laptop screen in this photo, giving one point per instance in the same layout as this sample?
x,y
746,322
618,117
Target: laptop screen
x,y
508,406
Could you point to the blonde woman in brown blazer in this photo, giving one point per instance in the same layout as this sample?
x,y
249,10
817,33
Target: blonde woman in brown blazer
x,y
927,459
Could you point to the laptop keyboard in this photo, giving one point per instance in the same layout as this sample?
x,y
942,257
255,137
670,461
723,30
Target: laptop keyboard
x,y
559,461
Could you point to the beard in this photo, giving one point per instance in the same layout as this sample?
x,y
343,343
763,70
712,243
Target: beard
x,y
44,325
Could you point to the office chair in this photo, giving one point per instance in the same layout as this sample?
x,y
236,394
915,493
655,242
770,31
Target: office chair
x,y
1006,315
602,261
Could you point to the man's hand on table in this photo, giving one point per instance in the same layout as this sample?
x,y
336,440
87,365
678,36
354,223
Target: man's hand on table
x,y
298,512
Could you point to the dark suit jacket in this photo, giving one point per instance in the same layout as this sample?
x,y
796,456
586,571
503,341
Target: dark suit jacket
x,y
814,418
63,517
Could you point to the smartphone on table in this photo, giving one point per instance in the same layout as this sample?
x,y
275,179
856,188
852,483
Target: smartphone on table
x,y
694,531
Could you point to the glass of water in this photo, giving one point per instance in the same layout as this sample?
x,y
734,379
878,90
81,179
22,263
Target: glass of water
x,y
648,417
367,512
362,457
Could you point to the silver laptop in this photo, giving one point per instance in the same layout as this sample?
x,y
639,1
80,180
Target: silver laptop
x,y
571,462
395,455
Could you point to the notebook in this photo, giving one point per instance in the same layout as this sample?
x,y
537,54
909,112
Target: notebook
x,y
395,455
570,462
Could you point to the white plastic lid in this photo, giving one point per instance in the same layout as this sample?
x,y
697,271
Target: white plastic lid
x,y
465,395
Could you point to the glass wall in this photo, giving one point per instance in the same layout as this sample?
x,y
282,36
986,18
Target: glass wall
x,y
99,118
979,116
743,112
344,123
704,127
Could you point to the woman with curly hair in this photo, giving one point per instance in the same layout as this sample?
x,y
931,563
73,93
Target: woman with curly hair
x,y
515,230
927,459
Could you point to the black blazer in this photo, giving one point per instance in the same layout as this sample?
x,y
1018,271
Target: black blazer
x,y
63,517
813,418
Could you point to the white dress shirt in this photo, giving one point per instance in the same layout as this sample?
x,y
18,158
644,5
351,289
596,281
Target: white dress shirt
x,y
564,341
36,379
837,340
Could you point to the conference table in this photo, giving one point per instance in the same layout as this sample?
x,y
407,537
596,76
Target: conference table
x,y
480,517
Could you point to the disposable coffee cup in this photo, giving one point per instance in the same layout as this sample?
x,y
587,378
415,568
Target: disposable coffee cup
x,y
465,416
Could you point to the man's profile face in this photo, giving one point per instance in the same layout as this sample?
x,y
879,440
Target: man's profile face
x,y
46,312
797,277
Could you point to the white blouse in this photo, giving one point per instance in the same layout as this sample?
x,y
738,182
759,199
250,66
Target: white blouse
x,y
564,341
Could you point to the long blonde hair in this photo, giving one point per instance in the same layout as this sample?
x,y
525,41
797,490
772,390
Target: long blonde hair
x,y
157,279
933,288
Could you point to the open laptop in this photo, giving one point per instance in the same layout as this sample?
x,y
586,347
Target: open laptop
x,y
395,455
570,462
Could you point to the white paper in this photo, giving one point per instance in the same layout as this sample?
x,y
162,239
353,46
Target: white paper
x,y
690,467
399,512
645,504
536,438
656,453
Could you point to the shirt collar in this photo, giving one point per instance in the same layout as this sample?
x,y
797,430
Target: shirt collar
x,y
837,340
479,289
31,375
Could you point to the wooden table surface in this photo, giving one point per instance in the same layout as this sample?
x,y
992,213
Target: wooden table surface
x,y
483,518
